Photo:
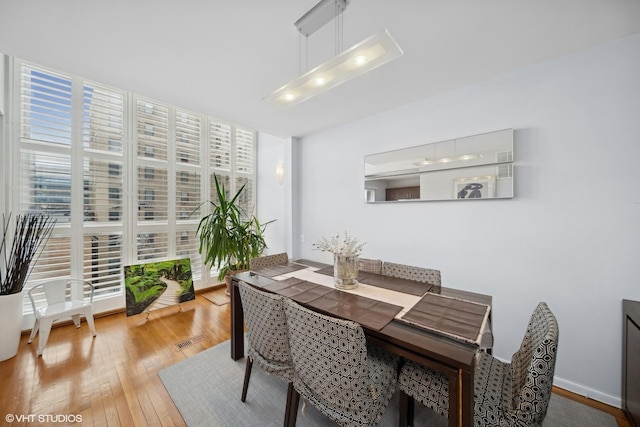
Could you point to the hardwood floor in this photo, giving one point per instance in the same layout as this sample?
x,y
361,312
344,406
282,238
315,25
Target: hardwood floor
x,y
112,380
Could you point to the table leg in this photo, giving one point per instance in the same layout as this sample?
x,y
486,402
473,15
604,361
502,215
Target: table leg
x,y
454,401
467,398
237,322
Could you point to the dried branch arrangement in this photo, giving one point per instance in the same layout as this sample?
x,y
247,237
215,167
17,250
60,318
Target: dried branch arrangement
x,y
18,249
347,246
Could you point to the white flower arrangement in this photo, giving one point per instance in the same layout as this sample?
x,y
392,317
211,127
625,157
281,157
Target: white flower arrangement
x,y
347,246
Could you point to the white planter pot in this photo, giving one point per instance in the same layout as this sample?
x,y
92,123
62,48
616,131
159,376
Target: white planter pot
x,y
10,324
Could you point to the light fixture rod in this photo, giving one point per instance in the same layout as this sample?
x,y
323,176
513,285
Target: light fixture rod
x,y
319,15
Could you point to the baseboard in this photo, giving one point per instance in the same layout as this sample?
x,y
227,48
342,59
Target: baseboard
x,y
588,392
211,288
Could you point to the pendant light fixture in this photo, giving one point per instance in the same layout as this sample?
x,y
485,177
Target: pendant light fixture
x,y
370,53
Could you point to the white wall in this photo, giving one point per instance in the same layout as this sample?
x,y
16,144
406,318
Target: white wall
x,y
273,198
570,237
3,152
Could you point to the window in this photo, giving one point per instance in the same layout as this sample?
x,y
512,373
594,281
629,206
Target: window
x,y
114,169
81,144
114,193
148,173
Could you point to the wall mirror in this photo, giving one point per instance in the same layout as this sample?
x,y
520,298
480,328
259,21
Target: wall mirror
x,y
469,168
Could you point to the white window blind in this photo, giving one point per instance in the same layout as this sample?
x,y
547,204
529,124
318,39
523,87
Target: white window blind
x,y
103,119
220,146
96,165
152,124
187,247
102,262
45,178
153,246
188,167
244,151
244,165
152,129
103,186
45,106
188,137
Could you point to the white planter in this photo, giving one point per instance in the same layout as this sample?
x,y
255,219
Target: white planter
x,y
10,324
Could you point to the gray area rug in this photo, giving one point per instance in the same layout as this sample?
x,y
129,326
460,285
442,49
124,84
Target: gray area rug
x,y
206,389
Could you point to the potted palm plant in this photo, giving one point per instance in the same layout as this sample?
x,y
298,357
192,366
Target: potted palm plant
x,y
229,236
18,249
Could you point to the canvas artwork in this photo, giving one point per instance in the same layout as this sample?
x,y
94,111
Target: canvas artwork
x,y
156,285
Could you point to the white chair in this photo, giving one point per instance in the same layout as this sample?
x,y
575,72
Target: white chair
x,y
59,299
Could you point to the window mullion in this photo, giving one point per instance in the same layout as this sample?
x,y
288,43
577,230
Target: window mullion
x,y
232,164
171,183
130,208
77,177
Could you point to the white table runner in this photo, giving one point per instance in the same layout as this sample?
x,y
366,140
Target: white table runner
x,y
406,301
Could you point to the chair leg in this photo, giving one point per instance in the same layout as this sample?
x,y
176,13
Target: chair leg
x,y
406,409
45,329
247,376
76,320
34,330
92,326
291,410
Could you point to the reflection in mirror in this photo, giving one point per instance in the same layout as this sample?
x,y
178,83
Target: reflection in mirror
x,y
473,167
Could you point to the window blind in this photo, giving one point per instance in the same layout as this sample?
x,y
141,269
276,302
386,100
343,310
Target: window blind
x,y
150,166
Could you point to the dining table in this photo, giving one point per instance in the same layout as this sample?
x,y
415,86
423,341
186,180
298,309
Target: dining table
x,y
438,327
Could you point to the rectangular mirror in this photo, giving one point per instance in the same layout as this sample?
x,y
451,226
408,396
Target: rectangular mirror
x,y
473,167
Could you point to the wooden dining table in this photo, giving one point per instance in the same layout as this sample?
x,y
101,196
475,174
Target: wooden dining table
x,y
439,327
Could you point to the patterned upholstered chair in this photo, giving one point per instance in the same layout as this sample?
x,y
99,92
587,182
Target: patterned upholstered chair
x,y
266,335
419,274
347,380
267,260
505,394
370,265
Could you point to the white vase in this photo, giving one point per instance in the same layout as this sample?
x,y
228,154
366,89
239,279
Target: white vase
x,y
345,271
10,324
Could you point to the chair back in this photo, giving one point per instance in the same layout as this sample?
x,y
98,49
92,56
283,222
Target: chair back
x,y
267,330
419,274
370,265
330,362
60,290
267,260
532,368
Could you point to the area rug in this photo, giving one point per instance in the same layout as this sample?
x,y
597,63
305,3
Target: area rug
x,y
206,389
218,297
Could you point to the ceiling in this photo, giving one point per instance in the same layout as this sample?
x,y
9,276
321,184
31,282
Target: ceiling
x,y
221,57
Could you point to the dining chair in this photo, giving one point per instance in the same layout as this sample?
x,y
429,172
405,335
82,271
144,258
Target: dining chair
x,y
419,274
370,265
59,299
335,370
267,260
505,394
267,336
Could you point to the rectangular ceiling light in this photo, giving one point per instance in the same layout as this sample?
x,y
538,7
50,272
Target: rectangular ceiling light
x,y
370,53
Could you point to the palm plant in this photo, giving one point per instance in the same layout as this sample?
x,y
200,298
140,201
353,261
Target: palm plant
x,y
229,237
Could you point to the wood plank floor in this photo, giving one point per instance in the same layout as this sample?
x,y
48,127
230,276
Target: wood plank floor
x,y
112,380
